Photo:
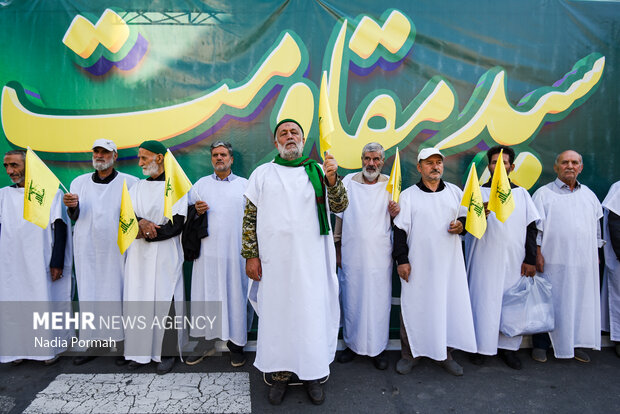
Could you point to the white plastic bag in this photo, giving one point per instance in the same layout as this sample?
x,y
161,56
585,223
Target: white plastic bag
x,y
527,308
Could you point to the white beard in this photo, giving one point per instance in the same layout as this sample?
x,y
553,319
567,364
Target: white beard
x,y
371,175
150,169
293,153
102,165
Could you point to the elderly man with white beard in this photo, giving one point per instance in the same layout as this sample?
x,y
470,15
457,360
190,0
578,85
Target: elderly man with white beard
x,y
291,259
363,235
154,265
94,203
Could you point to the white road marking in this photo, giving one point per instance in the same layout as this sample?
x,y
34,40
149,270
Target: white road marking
x,y
215,392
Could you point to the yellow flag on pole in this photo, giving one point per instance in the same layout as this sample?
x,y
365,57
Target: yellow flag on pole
x,y
177,183
40,187
394,183
476,222
501,200
326,122
127,221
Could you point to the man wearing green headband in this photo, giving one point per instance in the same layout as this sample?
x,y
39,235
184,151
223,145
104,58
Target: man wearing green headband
x,y
154,266
291,259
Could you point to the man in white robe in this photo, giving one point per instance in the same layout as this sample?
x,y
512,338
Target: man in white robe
x,y
567,254
495,262
218,274
363,235
435,307
35,272
154,267
291,260
94,203
610,296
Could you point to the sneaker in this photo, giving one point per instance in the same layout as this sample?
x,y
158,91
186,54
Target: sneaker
x,y
315,391
405,365
539,354
277,392
581,356
51,361
196,359
380,361
165,366
346,356
237,359
452,367
510,358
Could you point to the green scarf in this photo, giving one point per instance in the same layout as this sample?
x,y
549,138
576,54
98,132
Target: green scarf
x,y
316,176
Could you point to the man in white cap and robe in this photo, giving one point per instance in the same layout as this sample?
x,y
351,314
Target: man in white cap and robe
x,y
291,260
218,274
35,270
496,261
364,241
567,254
154,267
435,307
94,203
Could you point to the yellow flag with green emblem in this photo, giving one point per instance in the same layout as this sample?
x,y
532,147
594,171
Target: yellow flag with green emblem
x,y
127,221
501,200
394,183
177,183
476,222
40,187
326,122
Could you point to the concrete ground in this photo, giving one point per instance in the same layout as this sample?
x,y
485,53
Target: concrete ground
x,y
558,386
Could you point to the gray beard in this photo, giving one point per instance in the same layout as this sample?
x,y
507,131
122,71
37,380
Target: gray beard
x,y
150,169
102,165
291,154
370,176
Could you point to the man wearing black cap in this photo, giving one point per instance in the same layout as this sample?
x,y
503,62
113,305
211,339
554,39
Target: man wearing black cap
x,y
154,265
291,260
94,203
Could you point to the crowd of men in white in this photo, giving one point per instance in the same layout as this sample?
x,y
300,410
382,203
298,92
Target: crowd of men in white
x,y
307,280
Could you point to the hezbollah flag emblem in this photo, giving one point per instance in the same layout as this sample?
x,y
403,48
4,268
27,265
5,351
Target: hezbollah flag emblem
x,y
127,221
40,189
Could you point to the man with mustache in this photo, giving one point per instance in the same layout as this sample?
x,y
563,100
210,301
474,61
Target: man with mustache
x,y
218,273
568,239
291,259
154,266
35,267
94,203
435,308
364,240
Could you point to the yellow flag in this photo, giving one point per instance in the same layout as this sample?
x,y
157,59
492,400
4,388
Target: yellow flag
x,y
40,189
127,221
326,122
501,200
393,185
177,183
476,222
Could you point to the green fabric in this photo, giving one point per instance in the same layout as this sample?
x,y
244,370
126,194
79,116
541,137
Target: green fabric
x,y
285,121
316,176
155,147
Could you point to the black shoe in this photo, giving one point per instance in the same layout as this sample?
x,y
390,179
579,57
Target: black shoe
x,y
120,361
380,361
277,391
510,358
346,356
165,366
82,359
196,359
315,391
237,359
133,365
476,359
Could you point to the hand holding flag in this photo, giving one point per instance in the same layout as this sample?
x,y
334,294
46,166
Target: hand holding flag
x,y
177,183
476,222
